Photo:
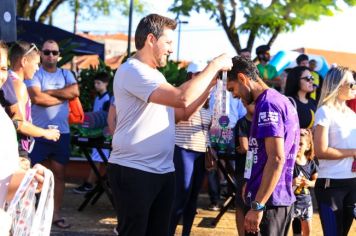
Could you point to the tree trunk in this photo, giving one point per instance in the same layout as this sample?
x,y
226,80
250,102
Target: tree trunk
x,y
23,8
251,39
51,7
274,36
76,14
34,9
230,29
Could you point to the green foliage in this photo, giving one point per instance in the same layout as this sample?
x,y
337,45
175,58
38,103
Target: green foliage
x,y
258,16
39,10
105,7
67,53
86,84
174,75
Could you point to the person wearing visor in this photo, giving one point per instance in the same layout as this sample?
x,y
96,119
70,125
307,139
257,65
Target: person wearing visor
x,y
267,71
50,89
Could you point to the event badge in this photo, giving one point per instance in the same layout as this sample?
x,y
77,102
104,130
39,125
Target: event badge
x,y
353,169
248,165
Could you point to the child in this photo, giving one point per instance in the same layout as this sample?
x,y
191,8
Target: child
x,y
242,133
101,103
305,175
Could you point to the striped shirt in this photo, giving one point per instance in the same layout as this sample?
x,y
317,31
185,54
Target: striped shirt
x,y
189,134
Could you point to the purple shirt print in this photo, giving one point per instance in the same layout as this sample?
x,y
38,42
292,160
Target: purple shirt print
x,y
274,116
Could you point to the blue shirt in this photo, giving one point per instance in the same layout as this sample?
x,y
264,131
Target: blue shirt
x,y
52,115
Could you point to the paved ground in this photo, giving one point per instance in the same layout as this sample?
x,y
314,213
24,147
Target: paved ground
x,y
99,219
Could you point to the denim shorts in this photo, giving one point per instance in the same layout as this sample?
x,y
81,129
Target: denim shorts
x,y
303,213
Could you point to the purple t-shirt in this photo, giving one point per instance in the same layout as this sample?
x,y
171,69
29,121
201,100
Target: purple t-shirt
x,y
275,116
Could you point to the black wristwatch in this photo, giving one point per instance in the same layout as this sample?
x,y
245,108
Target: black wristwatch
x,y
256,206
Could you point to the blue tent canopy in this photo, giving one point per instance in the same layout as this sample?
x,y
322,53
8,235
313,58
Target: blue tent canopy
x,y
36,32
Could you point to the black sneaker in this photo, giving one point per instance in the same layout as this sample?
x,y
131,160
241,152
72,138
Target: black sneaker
x,y
84,188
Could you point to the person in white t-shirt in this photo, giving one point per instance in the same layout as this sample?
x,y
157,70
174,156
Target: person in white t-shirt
x,y
141,169
335,147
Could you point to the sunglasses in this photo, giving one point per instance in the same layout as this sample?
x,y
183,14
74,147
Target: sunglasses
x,y
32,47
48,52
308,78
352,85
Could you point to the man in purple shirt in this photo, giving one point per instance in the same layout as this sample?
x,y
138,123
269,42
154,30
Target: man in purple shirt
x,y
273,146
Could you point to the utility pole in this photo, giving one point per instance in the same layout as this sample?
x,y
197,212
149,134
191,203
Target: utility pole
x,y
179,31
130,26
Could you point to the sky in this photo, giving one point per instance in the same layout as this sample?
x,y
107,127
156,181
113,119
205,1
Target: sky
x,y
202,39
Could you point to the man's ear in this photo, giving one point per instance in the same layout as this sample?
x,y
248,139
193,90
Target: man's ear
x,y
151,39
243,79
23,61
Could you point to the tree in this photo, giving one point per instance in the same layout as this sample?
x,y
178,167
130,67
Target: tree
x,y
30,9
259,18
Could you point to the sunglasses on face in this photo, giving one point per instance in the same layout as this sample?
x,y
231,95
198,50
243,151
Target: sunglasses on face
x,y
32,47
308,78
352,85
48,52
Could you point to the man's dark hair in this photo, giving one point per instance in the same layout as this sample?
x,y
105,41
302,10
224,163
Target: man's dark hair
x,y
20,49
102,76
244,66
302,57
244,50
50,41
293,81
262,49
152,24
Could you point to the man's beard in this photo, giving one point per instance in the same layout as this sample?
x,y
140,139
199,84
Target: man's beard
x,y
49,64
162,62
249,98
263,58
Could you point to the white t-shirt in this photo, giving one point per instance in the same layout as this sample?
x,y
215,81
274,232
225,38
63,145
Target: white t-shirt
x,y
9,155
342,135
144,135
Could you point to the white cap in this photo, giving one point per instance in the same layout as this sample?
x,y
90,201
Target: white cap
x,y
196,66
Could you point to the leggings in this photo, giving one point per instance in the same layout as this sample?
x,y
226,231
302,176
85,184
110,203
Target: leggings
x,y
336,204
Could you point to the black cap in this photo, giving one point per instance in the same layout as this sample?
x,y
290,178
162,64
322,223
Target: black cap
x,y
262,49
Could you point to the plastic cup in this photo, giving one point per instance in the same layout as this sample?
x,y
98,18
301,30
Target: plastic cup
x,y
52,126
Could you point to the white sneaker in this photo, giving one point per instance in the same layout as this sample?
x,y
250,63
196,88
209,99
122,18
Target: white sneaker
x,y
116,232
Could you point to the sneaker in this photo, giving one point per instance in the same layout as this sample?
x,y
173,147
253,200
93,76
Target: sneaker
x,y
84,188
214,207
116,231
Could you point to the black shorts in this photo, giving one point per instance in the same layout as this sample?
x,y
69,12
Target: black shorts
x,y
240,182
275,221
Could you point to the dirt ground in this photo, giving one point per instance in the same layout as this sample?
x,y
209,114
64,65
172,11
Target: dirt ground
x,y
99,219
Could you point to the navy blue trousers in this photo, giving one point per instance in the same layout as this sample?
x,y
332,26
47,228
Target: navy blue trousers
x,y
190,172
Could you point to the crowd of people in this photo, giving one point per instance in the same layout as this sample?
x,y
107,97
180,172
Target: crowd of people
x,y
292,135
